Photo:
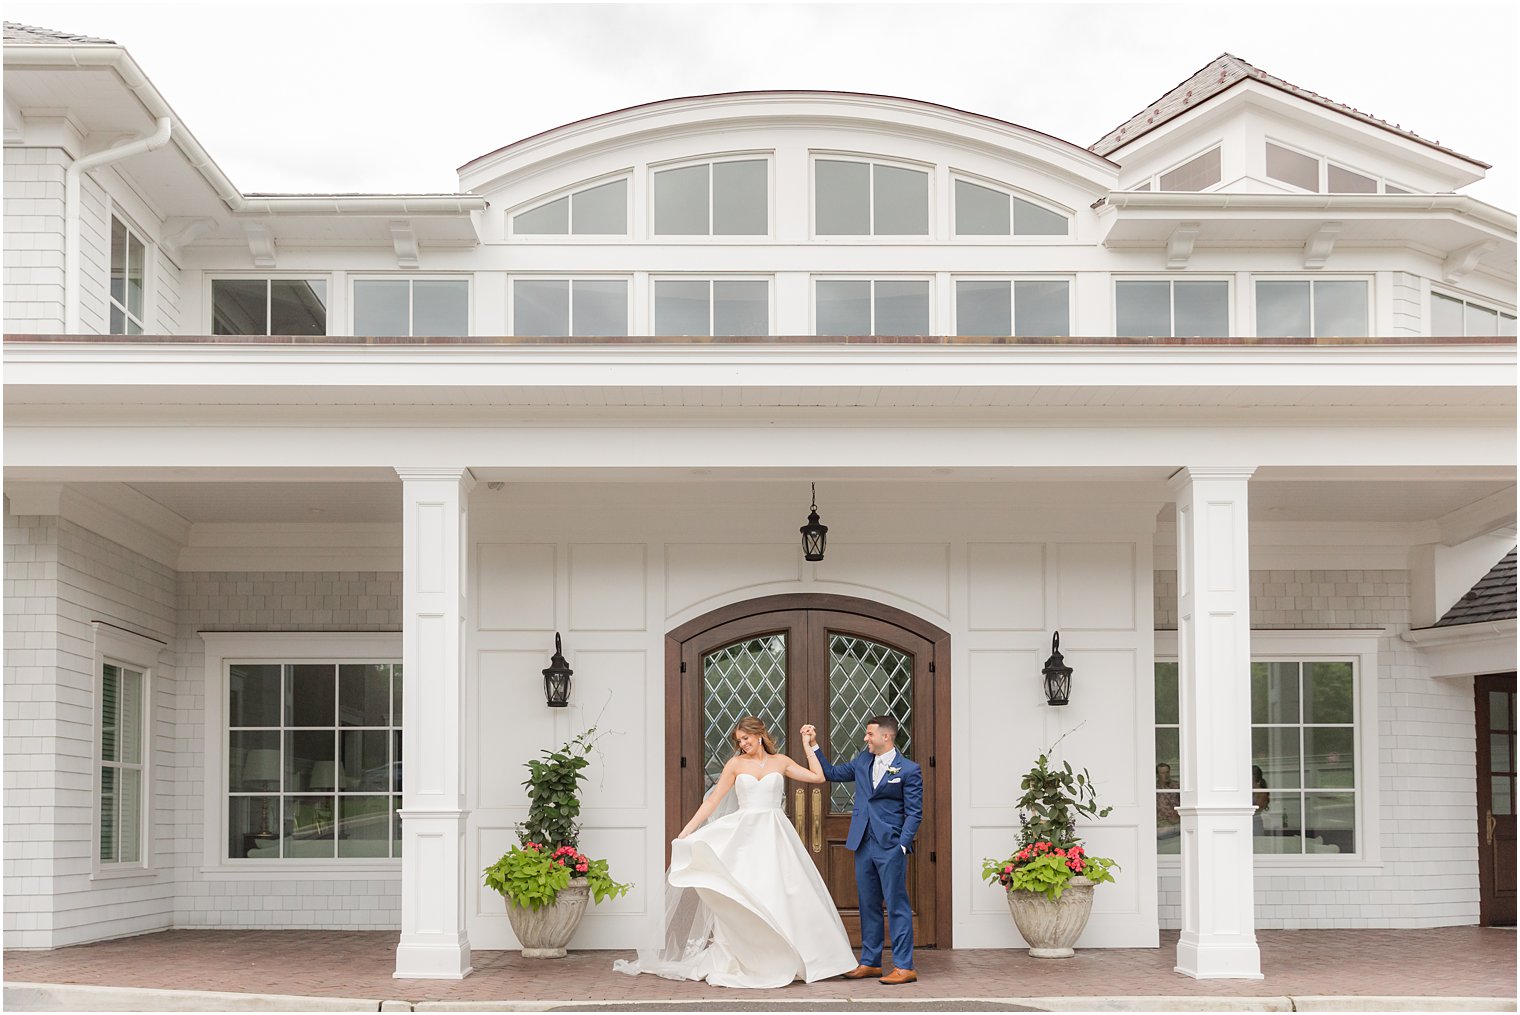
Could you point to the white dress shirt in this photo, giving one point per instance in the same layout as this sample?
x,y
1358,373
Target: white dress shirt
x,y
880,765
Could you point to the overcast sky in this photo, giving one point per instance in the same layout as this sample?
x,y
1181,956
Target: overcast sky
x,y
392,98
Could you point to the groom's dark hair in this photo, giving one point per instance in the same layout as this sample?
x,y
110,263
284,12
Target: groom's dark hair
x,y
884,722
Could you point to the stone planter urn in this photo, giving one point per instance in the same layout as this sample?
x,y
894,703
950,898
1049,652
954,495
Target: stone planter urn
x,y
545,932
1052,927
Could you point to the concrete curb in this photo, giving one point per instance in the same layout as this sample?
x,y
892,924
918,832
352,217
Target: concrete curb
x,y
75,997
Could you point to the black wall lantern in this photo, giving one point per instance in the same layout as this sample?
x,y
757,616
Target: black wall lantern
x,y
557,678
814,535
1057,675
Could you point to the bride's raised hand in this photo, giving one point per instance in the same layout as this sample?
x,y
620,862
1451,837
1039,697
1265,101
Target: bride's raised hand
x,y
809,736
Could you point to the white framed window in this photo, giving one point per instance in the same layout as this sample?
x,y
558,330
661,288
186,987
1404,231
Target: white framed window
x,y
1200,172
268,306
411,306
985,210
596,209
1452,316
1003,306
1313,308
559,307
863,197
129,279
1320,175
1171,308
124,666
720,197
871,306
712,306
305,739
1313,747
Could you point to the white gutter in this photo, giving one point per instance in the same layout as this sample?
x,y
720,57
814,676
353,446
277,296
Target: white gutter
x,y
1405,204
71,188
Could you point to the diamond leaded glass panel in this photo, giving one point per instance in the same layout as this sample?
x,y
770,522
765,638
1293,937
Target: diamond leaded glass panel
x,y
866,679
745,678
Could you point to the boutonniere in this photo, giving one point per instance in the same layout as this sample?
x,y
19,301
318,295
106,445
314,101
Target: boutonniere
x,y
893,769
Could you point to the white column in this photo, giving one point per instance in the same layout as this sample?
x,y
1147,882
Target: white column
x,y
434,943
1214,684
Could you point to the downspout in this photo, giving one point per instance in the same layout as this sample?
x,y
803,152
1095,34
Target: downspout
x,y
71,199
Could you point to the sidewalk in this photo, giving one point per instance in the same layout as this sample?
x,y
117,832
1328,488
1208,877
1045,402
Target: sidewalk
x,y
1456,962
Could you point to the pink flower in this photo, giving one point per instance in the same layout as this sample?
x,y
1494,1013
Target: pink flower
x,y
1060,851
581,867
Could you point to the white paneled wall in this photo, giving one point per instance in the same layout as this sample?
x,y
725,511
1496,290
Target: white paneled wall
x,y
1427,798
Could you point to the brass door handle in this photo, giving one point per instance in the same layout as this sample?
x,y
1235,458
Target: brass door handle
x,y
817,820
1489,824
799,811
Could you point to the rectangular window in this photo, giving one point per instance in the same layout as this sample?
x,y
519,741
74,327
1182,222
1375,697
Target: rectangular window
x,y
1039,307
1318,308
121,764
1172,308
1302,171
711,307
561,307
872,307
313,762
982,211
869,199
712,199
1451,317
264,306
411,307
601,210
128,274
1343,181
1196,174
1305,739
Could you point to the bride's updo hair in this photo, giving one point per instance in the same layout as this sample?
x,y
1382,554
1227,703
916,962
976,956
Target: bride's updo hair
x,y
755,727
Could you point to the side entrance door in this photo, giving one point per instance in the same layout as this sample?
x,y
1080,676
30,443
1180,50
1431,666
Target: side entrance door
x,y
835,662
1496,798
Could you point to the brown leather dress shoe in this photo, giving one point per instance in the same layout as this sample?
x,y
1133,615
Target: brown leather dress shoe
x,y
897,976
861,972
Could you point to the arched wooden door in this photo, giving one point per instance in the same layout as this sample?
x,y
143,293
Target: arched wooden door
x,y
833,661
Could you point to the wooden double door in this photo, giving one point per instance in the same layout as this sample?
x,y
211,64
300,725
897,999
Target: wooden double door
x,y
835,662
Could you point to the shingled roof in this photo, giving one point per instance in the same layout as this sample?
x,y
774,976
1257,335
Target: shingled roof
x,y
28,34
1221,74
1493,598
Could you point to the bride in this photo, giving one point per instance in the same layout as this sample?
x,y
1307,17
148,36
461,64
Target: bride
x,y
745,906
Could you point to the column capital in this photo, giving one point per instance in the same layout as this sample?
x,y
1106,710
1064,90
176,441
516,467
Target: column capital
x,y
1180,479
459,473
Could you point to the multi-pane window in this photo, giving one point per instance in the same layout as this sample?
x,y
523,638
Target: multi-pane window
x,y
712,199
982,211
1304,782
1312,173
688,306
121,746
601,210
1198,173
313,760
269,306
1013,307
1172,308
557,307
403,306
871,307
1316,308
854,198
1451,316
128,275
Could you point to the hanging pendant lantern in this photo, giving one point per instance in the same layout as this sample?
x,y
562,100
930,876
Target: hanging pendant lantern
x,y
1057,675
814,535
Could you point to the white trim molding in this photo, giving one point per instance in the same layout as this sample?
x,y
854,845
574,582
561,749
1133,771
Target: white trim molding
x,y
1466,650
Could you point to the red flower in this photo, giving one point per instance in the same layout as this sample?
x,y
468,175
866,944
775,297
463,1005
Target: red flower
x,y
581,867
1043,847
1060,851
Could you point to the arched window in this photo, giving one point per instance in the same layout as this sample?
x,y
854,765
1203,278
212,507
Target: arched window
x,y
599,210
983,211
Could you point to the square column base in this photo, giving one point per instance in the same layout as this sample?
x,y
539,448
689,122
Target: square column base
x,y
433,957
1217,960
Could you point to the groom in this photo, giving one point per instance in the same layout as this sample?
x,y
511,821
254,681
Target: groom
x,y
889,804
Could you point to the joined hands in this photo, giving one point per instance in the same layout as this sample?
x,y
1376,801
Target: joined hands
x,y
809,736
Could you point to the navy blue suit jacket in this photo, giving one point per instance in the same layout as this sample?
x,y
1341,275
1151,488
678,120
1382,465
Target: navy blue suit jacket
x,y
891,812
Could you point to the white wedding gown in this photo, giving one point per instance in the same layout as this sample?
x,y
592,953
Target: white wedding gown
x,y
746,906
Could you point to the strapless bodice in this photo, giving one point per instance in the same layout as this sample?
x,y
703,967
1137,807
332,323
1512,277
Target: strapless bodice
x,y
760,794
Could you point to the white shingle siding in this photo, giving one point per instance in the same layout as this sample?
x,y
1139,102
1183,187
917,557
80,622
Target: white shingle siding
x,y
94,258
1408,315
1426,762
34,240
